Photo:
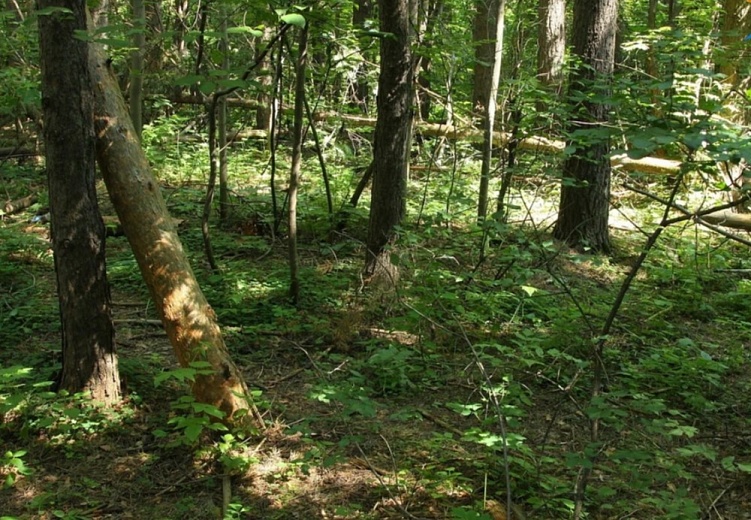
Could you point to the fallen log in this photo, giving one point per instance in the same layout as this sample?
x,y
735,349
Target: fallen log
x,y
653,165
729,219
18,205
13,152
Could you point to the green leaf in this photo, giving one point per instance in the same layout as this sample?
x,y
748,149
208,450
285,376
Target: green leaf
x,y
186,81
244,29
745,467
295,19
192,431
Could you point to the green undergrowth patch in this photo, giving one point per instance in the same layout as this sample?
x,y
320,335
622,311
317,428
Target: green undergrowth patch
x,y
480,365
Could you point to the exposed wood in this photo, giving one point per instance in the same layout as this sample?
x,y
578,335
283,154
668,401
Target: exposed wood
x,y
231,102
188,319
15,206
729,219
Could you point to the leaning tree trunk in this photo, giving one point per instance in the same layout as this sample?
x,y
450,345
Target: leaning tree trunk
x,y
188,319
89,358
585,191
392,138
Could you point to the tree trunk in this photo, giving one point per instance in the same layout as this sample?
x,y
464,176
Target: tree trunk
x,y
733,54
265,78
483,38
222,133
294,177
135,93
89,357
362,12
188,319
392,137
585,191
491,103
551,44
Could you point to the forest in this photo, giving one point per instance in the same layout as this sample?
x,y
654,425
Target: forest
x,y
393,259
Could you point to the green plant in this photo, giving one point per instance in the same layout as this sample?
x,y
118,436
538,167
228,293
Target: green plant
x,y
192,418
13,466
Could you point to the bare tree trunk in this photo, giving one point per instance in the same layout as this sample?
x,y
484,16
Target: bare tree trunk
x,y
551,44
222,137
491,104
265,77
135,94
78,240
392,138
188,319
483,38
362,12
294,177
585,191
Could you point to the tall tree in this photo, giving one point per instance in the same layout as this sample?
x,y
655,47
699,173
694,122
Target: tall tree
x,y
551,43
89,357
585,190
362,12
483,38
490,103
135,94
296,168
393,135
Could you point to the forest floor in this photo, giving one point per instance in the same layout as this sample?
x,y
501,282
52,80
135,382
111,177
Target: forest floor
x,y
397,405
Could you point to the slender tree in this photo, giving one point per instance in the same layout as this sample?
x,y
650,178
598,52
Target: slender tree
x,y
294,177
392,136
483,37
490,103
362,12
585,190
135,94
89,357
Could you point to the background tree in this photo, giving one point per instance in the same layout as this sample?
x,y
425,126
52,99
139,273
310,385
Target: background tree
x,y
551,44
135,97
392,138
483,39
585,190
296,168
491,103
89,357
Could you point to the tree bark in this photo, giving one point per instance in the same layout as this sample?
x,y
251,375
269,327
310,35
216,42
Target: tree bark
x,y
78,241
392,137
135,93
491,103
551,44
362,12
295,171
483,38
585,191
188,319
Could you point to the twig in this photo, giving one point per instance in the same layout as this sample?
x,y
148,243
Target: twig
x,y
226,494
383,484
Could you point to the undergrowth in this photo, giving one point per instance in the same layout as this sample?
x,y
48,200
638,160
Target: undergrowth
x,y
479,367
